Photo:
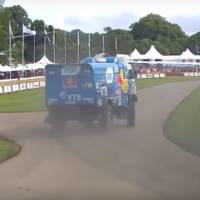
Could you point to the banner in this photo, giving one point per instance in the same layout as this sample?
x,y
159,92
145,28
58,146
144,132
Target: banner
x,y
46,34
54,37
28,31
10,31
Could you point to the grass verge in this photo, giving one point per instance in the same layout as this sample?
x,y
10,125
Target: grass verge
x,y
24,101
144,83
8,150
183,125
34,100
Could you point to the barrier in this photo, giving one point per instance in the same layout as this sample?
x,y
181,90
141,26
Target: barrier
x,y
7,89
21,85
151,76
15,88
191,74
143,76
42,83
36,85
29,86
186,74
1,90
162,75
156,75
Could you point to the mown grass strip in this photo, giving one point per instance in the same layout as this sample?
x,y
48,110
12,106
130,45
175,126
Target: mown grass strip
x,y
183,125
8,150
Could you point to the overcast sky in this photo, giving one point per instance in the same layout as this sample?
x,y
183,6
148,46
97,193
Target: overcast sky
x,y
93,15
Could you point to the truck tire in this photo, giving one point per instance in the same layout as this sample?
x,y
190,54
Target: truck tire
x,y
107,117
131,113
56,120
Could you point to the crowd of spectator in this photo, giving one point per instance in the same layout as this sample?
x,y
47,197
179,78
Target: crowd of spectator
x,y
148,69
21,74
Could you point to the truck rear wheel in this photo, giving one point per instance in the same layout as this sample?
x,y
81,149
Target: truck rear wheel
x,y
107,117
131,113
56,120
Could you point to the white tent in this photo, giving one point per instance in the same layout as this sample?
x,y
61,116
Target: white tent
x,y
188,55
5,68
19,68
1,68
136,55
44,61
153,54
32,66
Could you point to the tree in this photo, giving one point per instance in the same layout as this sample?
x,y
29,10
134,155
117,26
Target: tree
x,y
194,43
169,37
107,29
153,26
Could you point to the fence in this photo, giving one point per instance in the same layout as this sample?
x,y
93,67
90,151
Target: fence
x,y
151,76
192,74
14,85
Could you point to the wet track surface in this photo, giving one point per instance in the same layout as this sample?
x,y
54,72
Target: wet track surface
x,y
89,163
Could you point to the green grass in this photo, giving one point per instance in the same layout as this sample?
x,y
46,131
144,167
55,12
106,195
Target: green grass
x,y
8,150
144,83
34,101
183,125
24,101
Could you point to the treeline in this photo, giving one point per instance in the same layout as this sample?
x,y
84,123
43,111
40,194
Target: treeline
x,y
168,38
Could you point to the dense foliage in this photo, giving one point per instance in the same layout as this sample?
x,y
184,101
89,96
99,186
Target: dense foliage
x,y
153,29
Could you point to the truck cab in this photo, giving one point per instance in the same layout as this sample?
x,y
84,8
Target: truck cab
x,y
90,91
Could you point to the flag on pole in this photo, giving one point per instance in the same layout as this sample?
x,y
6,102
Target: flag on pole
x,y
54,37
10,31
46,34
28,31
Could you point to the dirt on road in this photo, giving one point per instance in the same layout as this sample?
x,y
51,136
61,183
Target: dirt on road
x,y
88,163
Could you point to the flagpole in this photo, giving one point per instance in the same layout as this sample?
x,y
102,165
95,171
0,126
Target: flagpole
x,y
78,49
116,45
22,45
10,45
54,47
45,45
89,48
34,53
44,42
65,48
103,44
10,48
34,47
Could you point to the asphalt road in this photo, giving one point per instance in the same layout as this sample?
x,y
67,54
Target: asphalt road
x,y
86,163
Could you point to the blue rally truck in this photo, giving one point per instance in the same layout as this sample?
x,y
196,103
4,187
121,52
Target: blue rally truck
x,y
91,91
